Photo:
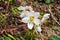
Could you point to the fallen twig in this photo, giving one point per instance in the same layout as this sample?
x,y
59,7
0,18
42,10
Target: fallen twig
x,y
53,16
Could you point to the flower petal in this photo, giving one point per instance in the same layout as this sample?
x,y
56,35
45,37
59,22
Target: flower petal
x,y
30,8
36,14
25,20
21,8
38,29
30,25
43,20
46,16
22,15
29,14
37,21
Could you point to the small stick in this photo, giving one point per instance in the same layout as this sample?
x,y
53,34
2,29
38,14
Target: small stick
x,y
53,16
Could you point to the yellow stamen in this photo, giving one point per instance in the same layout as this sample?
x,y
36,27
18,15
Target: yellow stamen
x,y
36,25
31,18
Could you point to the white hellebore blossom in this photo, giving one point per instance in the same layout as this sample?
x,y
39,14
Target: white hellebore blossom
x,y
25,10
45,17
32,19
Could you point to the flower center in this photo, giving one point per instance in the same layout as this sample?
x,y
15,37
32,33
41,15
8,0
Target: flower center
x,y
36,25
31,19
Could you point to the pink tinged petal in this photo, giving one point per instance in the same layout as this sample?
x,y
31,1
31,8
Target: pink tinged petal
x,y
22,15
30,25
25,20
46,16
29,7
39,29
37,21
43,20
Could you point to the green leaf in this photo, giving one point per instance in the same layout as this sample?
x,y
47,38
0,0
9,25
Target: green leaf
x,y
58,29
36,5
11,36
6,38
2,38
47,1
15,10
32,0
52,0
12,1
16,38
22,38
12,9
54,37
55,28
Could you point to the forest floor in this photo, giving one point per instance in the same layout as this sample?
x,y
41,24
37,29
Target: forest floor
x,y
49,28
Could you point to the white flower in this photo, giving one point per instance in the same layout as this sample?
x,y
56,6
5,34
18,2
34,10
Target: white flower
x,y
31,19
26,8
46,16
23,14
38,29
